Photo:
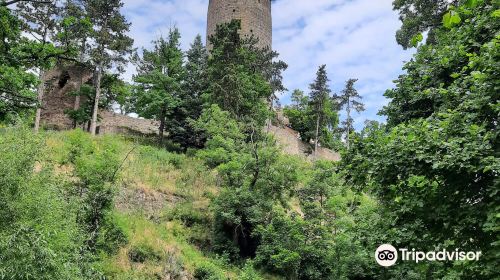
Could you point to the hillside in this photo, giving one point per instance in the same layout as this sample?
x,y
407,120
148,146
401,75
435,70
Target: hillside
x,y
161,203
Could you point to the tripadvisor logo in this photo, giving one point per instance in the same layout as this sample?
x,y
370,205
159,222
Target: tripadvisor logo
x,y
386,255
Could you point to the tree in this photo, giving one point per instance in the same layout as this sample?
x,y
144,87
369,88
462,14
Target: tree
x,y
195,83
110,44
17,84
237,81
439,150
300,115
159,78
303,119
333,236
320,93
419,16
40,22
254,176
196,69
350,100
73,35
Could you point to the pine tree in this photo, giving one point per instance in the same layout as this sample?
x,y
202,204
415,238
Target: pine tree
x,y
319,96
159,80
239,75
350,100
195,83
196,68
110,44
299,99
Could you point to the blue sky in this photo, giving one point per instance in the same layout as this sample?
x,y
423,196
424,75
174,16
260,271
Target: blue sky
x,y
354,38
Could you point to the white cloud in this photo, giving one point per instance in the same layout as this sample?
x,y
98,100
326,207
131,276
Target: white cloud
x,y
355,38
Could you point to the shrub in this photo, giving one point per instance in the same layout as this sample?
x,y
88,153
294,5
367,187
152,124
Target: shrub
x,y
209,271
143,252
39,237
249,273
188,215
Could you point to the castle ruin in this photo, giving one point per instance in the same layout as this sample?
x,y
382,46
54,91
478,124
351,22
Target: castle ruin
x,y
255,17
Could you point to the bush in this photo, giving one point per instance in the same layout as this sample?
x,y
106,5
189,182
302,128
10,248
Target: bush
x,y
188,215
38,230
143,252
209,271
249,273
111,236
155,155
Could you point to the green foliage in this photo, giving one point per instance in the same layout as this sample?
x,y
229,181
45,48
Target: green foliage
x,y
237,81
249,273
350,100
143,252
113,91
83,114
108,45
333,237
315,116
97,171
159,89
417,17
16,83
195,83
208,271
440,76
439,150
224,135
253,174
38,229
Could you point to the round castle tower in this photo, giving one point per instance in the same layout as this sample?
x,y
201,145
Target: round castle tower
x,y
255,16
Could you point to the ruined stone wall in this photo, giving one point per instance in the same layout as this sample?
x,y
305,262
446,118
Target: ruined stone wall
x,y
255,16
291,144
61,81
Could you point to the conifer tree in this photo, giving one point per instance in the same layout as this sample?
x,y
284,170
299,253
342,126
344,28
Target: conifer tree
x,y
195,83
237,74
159,80
196,68
350,100
319,96
110,44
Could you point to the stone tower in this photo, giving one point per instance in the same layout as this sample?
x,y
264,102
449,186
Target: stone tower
x,y
255,16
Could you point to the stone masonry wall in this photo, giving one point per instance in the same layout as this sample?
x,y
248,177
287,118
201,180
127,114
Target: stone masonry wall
x,y
255,16
61,81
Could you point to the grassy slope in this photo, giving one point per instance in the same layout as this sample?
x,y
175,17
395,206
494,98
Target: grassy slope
x,y
161,203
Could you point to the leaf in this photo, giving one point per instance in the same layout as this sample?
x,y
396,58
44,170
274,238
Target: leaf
x,y
496,13
471,3
450,19
416,39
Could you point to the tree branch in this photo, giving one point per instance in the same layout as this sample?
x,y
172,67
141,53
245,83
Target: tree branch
x,y
8,3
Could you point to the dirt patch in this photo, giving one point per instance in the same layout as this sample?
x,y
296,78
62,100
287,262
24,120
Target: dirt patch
x,y
147,202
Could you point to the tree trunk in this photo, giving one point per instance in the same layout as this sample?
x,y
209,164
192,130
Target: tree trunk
x,y
93,122
162,126
40,93
316,140
348,128
76,106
